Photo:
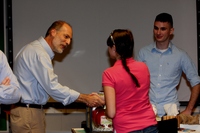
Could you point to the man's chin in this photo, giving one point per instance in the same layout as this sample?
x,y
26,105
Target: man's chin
x,y
59,51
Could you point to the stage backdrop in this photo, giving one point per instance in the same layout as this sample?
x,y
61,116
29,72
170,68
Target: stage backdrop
x,y
2,26
81,66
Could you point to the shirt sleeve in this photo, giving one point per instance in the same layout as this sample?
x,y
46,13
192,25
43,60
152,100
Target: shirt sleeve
x,y
45,75
139,56
190,70
8,93
107,79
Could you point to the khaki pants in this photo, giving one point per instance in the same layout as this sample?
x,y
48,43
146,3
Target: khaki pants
x,y
27,120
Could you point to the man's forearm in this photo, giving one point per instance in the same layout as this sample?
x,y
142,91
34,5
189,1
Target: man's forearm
x,y
193,98
82,98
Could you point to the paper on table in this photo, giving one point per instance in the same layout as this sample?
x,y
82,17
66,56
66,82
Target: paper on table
x,y
154,109
192,127
171,109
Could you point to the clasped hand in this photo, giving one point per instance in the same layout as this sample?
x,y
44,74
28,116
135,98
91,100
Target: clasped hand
x,y
6,81
95,100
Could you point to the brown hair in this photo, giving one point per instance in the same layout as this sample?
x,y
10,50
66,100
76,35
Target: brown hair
x,y
56,25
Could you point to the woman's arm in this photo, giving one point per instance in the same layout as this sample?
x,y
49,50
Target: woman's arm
x,y
109,94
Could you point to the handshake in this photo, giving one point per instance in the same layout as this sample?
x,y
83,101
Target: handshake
x,y
92,100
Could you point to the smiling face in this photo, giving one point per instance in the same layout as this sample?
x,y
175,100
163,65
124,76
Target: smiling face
x,y
61,38
162,32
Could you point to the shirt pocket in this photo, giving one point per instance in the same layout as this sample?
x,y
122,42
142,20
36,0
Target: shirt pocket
x,y
172,69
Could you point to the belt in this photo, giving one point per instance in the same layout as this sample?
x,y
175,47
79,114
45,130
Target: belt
x,y
27,105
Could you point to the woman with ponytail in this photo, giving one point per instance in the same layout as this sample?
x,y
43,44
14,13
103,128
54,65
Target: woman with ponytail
x,y
126,86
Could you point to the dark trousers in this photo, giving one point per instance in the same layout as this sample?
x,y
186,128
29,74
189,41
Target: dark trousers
x,y
150,129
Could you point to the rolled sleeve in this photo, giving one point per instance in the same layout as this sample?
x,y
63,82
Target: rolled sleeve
x,y
73,96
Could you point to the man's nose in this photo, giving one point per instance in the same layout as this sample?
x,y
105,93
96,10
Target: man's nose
x,y
158,31
68,41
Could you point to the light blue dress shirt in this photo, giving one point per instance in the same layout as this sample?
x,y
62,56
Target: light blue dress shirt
x,y
8,93
34,71
165,72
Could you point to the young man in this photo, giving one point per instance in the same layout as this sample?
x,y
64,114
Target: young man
x,y
34,71
166,63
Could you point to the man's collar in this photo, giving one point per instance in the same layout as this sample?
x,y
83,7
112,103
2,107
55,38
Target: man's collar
x,y
155,49
46,47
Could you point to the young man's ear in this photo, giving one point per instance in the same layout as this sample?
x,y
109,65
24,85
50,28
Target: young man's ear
x,y
171,31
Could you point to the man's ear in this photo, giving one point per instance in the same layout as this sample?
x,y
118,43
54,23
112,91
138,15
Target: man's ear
x,y
171,31
53,32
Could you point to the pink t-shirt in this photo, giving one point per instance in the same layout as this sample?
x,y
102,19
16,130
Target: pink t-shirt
x,y
133,108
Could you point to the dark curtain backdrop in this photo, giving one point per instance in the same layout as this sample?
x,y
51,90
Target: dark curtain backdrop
x,y
1,26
